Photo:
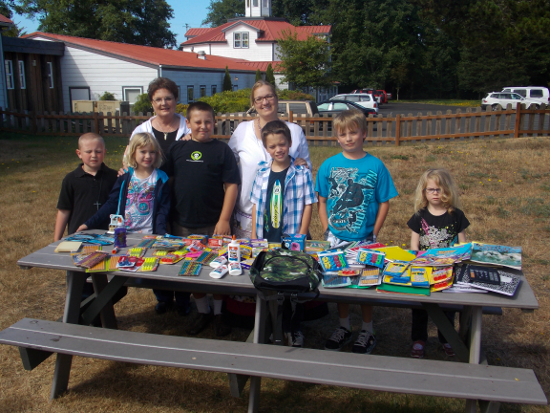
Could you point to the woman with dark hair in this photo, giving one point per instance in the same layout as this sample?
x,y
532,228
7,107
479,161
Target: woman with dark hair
x,y
246,144
167,125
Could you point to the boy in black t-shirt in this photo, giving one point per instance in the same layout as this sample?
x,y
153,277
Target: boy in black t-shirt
x,y
84,190
204,191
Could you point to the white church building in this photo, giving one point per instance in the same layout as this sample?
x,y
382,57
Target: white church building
x,y
252,40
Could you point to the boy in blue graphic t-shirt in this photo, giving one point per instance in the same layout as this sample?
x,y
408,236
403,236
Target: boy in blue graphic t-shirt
x,y
354,189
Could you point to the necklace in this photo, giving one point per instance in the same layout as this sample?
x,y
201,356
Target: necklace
x,y
259,127
97,203
163,131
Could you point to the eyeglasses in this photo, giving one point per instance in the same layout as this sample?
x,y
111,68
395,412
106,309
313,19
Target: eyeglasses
x,y
261,99
433,190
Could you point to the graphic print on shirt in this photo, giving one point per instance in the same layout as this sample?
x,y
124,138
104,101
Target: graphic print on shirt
x,y
139,203
275,206
433,237
350,194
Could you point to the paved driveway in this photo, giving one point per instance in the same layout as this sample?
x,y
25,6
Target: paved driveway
x,y
406,108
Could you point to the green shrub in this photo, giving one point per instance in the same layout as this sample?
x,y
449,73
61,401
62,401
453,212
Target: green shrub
x,y
107,96
294,95
229,102
143,104
181,108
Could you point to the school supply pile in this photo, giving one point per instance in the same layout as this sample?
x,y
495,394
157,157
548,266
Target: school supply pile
x,y
489,268
354,265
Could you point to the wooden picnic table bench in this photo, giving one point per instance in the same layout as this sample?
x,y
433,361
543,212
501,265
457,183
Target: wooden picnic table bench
x,y
383,373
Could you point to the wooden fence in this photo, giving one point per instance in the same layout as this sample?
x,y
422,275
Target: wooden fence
x,y
473,123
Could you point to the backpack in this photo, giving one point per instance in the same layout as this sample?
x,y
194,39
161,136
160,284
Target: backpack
x,y
279,274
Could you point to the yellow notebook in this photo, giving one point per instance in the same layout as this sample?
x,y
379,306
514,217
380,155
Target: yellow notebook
x,y
68,246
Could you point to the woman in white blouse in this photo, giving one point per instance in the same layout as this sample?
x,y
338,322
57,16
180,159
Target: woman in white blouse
x,y
246,144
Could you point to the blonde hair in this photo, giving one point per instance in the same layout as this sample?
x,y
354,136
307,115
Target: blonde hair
x,y
90,136
139,140
449,190
349,119
259,84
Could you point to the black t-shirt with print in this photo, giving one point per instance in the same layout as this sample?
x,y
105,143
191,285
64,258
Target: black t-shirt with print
x,y
200,171
438,231
274,208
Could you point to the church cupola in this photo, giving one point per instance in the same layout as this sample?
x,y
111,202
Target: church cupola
x,y
257,8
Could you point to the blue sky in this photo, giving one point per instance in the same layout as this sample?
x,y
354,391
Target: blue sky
x,y
192,12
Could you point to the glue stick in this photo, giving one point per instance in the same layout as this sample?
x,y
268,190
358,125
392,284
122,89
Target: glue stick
x,y
234,251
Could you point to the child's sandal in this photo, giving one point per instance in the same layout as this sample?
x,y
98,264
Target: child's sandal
x,y
417,350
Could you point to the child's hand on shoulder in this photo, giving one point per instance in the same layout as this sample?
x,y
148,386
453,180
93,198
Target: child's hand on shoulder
x,y
121,172
222,228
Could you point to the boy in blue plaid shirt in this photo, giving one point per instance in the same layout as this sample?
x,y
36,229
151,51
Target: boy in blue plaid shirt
x,y
282,195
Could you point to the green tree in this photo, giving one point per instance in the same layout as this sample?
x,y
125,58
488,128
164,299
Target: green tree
x,y
220,11
258,75
128,21
304,62
227,85
298,12
501,42
270,76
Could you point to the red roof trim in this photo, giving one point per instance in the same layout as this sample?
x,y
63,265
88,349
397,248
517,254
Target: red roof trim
x,y
145,54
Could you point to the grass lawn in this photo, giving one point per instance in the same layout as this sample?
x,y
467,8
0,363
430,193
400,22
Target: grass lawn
x,y
505,189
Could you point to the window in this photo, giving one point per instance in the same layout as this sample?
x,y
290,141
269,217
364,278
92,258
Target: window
x,y
255,3
131,93
9,74
265,3
214,90
521,92
536,93
203,91
50,74
340,106
190,94
240,40
22,82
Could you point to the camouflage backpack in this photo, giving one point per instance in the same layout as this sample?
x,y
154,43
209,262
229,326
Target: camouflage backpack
x,y
279,274
285,271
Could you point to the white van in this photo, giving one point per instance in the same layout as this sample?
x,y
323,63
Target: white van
x,y
364,99
538,93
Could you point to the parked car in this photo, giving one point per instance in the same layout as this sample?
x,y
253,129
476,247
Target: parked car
x,y
383,96
494,99
538,93
334,107
379,95
298,107
364,99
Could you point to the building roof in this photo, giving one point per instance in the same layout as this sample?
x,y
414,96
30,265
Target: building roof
x,y
270,29
4,21
144,54
262,65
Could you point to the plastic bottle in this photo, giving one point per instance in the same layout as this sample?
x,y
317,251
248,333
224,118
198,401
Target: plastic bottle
x,y
234,251
120,235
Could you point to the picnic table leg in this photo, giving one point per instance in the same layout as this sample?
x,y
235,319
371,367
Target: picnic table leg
x,y
259,337
75,285
475,349
107,314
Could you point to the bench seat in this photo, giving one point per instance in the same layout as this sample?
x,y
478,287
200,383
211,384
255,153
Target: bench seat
x,y
383,373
